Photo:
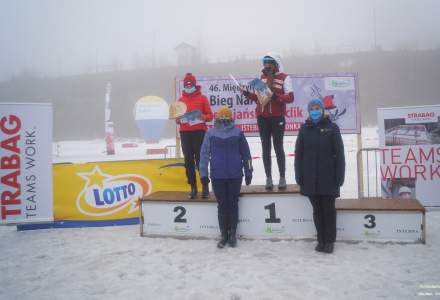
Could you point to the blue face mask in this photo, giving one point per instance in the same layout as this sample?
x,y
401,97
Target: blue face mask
x,y
315,115
189,90
223,123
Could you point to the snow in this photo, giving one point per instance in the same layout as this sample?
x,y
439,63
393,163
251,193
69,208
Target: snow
x,y
116,263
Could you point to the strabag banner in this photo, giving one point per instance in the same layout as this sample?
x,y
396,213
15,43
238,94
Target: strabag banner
x,y
409,138
110,190
26,162
339,93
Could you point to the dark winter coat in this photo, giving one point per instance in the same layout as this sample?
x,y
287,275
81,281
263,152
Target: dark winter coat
x,y
319,158
226,150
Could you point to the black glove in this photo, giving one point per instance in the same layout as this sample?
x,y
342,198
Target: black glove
x,y
204,180
246,93
248,179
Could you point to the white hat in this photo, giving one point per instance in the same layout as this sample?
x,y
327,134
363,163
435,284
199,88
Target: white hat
x,y
404,189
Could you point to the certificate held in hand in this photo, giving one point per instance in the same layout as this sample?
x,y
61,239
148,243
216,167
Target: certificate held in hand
x,y
264,94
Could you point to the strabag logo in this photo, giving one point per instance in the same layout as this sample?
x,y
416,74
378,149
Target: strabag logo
x,y
421,117
104,194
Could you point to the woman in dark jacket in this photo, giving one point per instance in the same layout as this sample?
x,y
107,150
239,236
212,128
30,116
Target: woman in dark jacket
x,y
227,152
320,170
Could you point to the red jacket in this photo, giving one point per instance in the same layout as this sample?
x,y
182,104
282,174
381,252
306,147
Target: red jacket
x,y
277,105
195,101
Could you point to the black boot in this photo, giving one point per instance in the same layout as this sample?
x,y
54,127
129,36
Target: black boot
x,y
232,231
232,238
328,248
193,193
205,190
320,246
223,224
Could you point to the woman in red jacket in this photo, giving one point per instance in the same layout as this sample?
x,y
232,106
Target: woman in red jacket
x,y
271,116
192,128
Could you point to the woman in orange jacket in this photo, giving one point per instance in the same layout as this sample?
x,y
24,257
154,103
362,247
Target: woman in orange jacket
x,y
192,128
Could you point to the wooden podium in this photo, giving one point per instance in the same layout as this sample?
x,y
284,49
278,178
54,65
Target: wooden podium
x,y
282,214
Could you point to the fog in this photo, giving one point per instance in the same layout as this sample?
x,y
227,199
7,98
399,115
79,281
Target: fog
x,y
61,37
65,52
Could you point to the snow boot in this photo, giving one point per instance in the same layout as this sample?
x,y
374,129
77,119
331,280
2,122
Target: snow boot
x,y
205,190
319,247
223,224
328,248
282,184
269,184
193,193
233,219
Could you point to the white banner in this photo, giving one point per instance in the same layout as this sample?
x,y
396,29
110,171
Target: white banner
x,y
337,91
26,162
410,153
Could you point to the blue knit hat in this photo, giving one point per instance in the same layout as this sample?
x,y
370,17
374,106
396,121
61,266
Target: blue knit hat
x,y
315,102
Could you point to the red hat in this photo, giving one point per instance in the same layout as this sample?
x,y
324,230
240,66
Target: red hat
x,y
189,80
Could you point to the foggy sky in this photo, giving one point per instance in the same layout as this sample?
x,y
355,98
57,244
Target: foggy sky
x,y
61,37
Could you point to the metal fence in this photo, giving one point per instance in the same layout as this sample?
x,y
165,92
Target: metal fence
x,y
368,168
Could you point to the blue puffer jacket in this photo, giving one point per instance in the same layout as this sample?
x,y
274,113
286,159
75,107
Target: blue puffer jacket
x,y
226,149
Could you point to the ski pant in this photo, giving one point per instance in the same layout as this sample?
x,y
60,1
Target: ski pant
x,y
226,192
191,144
272,128
324,217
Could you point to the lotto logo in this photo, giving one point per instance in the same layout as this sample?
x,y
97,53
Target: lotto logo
x,y
104,194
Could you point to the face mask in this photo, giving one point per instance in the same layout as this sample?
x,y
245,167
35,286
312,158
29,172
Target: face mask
x,y
315,115
223,122
268,71
189,90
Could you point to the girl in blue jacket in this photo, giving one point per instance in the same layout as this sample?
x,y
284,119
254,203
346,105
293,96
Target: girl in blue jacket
x,y
227,152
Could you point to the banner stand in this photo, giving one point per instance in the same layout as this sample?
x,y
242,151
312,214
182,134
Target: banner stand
x,y
26,154
409,153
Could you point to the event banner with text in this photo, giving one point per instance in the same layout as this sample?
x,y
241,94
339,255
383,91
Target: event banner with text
x,y
337,91
26,162
410,153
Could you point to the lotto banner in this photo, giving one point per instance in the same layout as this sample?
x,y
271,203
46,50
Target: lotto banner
x,y
26,162
110,190
337,91
410,153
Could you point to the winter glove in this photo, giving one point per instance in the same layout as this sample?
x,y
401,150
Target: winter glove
x,y
248,179
204,180
246,93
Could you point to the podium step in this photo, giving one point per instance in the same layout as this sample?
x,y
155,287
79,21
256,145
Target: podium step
x,y
284,214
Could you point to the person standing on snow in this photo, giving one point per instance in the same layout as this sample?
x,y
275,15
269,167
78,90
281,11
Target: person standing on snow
x,y
226,150
320,170
271,117
192,131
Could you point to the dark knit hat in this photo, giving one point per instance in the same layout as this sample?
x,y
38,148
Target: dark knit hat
x,y
269,60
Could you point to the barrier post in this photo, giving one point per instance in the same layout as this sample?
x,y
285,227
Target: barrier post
x,y
360,166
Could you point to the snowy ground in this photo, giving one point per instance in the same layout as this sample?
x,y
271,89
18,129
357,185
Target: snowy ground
x,y
116,263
